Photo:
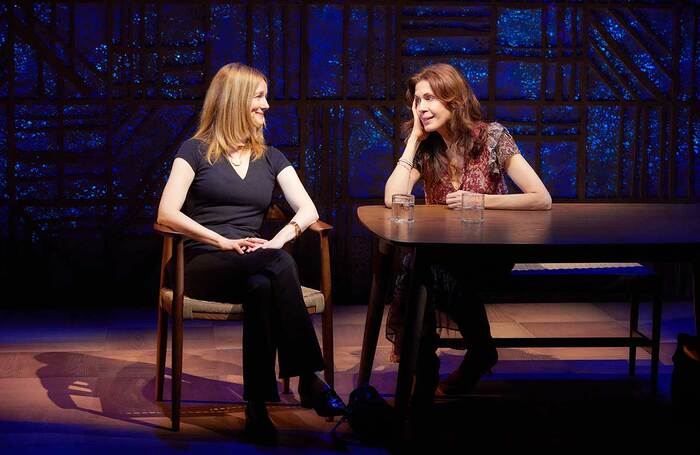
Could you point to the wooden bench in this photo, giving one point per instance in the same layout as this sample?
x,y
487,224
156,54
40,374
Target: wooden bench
x,y
583,282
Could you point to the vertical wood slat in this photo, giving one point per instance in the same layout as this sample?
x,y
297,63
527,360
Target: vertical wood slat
x,y
307,111
619,168
370,40
583,112
286,44
272,81
345,59
41,89
327,160
108,240
559,74
13,208
61,130
160,57
492,62
691,112
343,230
388,80
634,179
575,69
249,33
543,90
675,92
663,152
398,81
142,39
643,153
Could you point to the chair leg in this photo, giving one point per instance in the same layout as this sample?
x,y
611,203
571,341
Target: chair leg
x,y
327,334
177,371
634,326
161,351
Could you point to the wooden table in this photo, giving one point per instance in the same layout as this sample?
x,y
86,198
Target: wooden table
x,y
572,232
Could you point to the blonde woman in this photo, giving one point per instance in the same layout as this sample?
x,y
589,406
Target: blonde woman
x,y
219,188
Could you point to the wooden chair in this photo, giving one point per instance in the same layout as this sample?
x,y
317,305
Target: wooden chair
x,y
174,303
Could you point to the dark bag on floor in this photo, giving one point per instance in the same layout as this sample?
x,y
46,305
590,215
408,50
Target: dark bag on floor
x,y
369,415
685,381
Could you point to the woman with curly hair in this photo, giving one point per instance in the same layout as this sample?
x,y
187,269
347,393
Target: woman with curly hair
x,y
453,150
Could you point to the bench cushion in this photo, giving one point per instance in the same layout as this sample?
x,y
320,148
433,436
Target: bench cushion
x,y
581,268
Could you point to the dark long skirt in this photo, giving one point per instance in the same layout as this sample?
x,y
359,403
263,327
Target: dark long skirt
x,y
453,282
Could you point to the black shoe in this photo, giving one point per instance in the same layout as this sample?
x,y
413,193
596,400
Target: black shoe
x,y
463,380
315,393
258,423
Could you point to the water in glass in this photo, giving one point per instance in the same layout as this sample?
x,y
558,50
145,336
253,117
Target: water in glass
x,y
402,206
472,208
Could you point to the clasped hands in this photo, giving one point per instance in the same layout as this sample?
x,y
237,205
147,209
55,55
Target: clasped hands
x,y
248,244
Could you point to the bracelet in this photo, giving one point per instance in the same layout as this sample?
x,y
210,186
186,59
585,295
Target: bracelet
x,y
297,229
404,165
406,162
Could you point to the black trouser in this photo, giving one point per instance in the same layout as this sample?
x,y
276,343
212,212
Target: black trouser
x,y
276,319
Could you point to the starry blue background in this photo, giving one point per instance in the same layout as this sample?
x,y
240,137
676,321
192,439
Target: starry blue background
x,y
96,97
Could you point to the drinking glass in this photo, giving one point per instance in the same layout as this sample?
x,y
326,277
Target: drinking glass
x,y
472,208
402,208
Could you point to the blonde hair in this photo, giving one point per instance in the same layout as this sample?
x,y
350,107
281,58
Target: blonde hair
x,y
226,123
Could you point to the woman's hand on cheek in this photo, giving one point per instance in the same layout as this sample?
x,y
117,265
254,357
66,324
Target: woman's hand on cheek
x,y
418,130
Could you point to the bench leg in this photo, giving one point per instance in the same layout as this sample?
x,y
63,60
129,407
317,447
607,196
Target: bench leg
x,y
634,326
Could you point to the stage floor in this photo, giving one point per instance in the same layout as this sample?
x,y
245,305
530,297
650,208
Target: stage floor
x,y
74,382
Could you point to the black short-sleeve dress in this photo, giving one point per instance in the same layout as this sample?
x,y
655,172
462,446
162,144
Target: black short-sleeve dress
x,y
219,199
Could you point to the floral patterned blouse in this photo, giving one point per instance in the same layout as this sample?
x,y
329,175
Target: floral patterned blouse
x,y
485,174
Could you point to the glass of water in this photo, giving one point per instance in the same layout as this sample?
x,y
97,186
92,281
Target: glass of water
x,y
472,208
402,208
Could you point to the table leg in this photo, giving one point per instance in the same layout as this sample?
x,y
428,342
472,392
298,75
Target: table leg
x,y
695,265
411,342
382,255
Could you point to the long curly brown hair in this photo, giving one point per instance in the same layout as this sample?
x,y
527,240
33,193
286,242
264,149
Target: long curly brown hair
x,y
466,124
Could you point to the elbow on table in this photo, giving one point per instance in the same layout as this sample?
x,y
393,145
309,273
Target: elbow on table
x,y
544,202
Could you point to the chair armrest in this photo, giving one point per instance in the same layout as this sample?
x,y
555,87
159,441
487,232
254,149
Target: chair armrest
x,y
165,230
319,226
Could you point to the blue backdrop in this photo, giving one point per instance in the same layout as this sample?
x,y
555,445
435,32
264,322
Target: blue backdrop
x,y
96,97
